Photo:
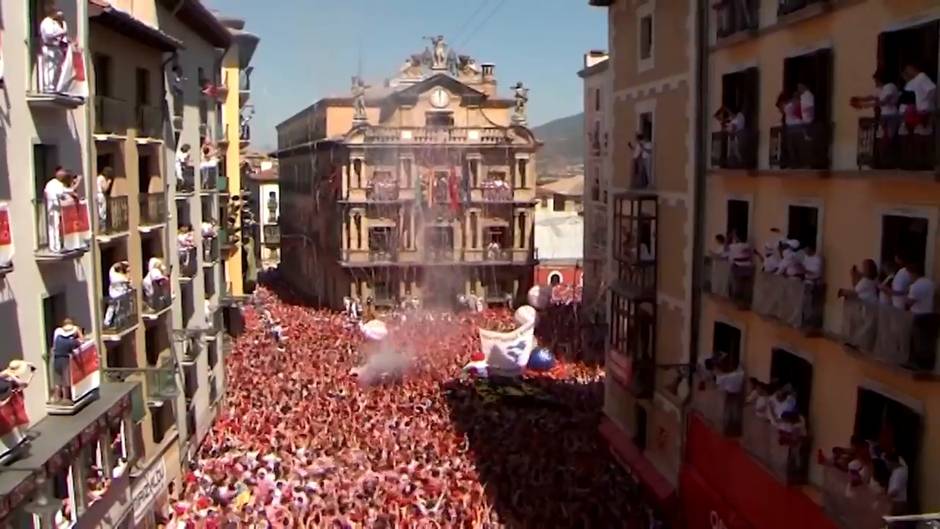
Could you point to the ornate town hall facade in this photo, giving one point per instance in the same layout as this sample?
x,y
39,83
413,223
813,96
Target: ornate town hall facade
x,y
423,188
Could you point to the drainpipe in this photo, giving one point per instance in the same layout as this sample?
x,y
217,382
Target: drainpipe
x,y
87,134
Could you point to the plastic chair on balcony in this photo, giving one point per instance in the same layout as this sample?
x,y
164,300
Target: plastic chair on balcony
x,y
119,285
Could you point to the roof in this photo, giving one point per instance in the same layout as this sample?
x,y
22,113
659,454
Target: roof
x,y
265,175
595,69
199,19
572,186
102,12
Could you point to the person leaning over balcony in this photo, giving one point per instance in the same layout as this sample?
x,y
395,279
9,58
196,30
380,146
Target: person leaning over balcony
x,y
65,339
864,281
185,240
924,329
53,33
759,396
924,90
60,190
119,284
884,100
154,282
183,160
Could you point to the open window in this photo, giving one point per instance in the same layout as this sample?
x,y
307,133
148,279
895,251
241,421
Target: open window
x,y
726,341
735,145
646,37
803,225
903,236
806,103
789,369
890,425
439,119
738,221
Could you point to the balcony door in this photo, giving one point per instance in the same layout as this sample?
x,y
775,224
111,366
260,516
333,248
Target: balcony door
x,y
787,368
891,425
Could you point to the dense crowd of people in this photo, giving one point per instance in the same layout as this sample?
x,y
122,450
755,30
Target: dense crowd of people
x,y
302,443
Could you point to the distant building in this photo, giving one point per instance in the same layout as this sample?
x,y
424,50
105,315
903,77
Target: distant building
x,y
559,232
264,193
423,187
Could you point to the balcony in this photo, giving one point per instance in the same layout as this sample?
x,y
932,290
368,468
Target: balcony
x,y
244,134
890,335
787,460
44,93
120,315
161,384
497,191
188,264
220,134
149,122
383,191
157,301
111,116
62,231
498,254
153,211
272,234
412,135
211,249
854,506
881,146
790,300
439,255
113,218
721,409
186,185
736,17
734,150
800,146
209,178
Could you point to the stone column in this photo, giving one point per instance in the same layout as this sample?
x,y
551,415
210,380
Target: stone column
x,y
346,181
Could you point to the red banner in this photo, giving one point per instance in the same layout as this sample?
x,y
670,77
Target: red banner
x,y
5,238
75,218
13,414
84,363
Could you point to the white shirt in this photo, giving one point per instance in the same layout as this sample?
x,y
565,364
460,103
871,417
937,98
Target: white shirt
x,y
897,483
786,263
155,275
55,190
740,253
779,408
118,283
921,293
182,160
813,264
888,99
732,382
52,33
808,106
102,184
867,289
923,89
901,283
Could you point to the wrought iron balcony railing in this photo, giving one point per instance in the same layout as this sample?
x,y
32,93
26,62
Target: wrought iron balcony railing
x,y
120,313
113,217
159,299
188,262
63,228
734,150
149,121
187,182
792,301
800,146
889,143
153,210
891,335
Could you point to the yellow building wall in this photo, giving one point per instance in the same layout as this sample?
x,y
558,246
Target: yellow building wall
x,y
232,124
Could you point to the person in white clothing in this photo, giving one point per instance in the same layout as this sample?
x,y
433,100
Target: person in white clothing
x,y
59,191
807,102
812,265
119,285
922,86
183,161
865,282
759,397
770,257
155,284
897,483
884,100
53,34
900,284
790,263
924,327
921,293
185,242
105,183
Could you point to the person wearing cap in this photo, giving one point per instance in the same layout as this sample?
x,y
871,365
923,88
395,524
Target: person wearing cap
x,y
65,339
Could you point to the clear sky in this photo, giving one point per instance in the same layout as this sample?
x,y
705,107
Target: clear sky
x,y
310,48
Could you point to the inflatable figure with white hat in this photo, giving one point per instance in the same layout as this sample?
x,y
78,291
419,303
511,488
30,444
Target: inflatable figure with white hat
x,y
506,353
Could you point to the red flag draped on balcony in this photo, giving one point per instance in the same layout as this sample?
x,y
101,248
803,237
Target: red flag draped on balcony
x,y
6,238
453,190
83,369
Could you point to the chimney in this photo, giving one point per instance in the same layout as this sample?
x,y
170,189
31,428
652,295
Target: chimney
x,y
489,79
594,57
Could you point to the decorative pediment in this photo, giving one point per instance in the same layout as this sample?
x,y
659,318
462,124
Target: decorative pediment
x,y
467,94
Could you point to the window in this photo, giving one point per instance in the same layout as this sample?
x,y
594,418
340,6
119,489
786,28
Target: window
x,y
152,345
497,234
522,165
439,119
639,436
142,75
739,93
102,67
889,423
54,311
915,45
45,160
738,219
646,125
905,237
144,172
646,37
803,225
726,340
380,239
597,99
813,70
522,230
787,368
161,419
558,202
474,167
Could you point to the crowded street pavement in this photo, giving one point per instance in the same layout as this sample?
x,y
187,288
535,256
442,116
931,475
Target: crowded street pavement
x,y
301,442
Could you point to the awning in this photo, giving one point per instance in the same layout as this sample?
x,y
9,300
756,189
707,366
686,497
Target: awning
x,y
655,484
